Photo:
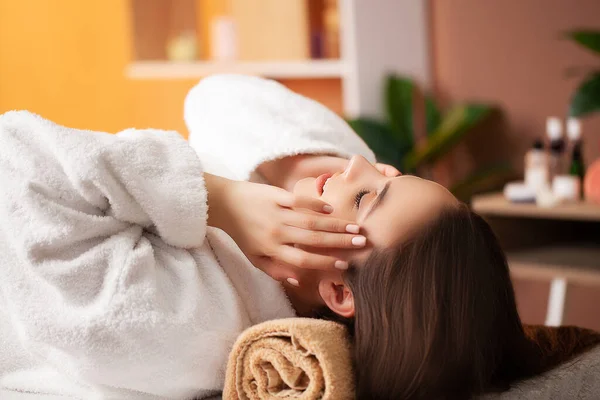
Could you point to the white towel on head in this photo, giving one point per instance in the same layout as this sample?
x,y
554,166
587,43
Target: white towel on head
x,y
243,121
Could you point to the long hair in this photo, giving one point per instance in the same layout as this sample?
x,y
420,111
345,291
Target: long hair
x,y
436,317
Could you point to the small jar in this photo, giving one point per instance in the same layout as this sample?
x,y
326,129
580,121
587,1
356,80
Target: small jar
x,y
566,188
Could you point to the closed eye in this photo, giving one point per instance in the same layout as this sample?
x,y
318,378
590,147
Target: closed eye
x,y
359,197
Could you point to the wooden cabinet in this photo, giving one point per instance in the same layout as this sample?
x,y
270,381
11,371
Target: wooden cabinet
x,y
554,256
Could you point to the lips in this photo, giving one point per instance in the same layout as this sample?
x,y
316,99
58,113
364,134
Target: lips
x,y
320,182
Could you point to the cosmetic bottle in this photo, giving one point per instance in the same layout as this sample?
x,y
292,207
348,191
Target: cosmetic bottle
x,y
576,164
536,166
556,146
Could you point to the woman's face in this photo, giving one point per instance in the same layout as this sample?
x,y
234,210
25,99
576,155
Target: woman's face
x,y
387,209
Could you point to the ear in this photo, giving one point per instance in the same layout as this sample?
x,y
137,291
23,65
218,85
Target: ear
x,y
337,296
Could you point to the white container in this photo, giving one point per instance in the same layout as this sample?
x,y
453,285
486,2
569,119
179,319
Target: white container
x,y
545,198
566,188
554,131
573,129
536,167
519,192
224,41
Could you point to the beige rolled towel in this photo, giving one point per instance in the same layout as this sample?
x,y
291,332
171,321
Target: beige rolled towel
x,y
296,358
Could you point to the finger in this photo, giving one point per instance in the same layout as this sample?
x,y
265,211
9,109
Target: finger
x,y
305,237
311,203
279,271
302,259
313,222
387,170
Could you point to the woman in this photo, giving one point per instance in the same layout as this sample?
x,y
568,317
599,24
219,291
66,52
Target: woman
x,y
429,300
117,282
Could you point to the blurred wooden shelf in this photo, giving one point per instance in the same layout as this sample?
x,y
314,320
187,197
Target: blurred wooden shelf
x,y
577,263
275,69
496,205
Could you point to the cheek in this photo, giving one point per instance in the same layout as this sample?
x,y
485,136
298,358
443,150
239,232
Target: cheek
x,y
306,187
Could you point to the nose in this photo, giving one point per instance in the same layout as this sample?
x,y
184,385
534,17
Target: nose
x,y
357,166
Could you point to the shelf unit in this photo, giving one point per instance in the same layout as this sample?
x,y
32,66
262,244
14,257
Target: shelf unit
x,y
376,38
559,244
496,204
314,69
577,263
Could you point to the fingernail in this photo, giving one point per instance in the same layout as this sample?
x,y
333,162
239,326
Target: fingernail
x,y
359,241
352,228
339,264
293,282
328,209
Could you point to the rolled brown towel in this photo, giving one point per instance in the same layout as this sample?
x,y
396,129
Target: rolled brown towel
x,y
296,358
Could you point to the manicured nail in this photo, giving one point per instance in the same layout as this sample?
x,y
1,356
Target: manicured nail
x,y
328,209
339,264
359,241
352,228
293,282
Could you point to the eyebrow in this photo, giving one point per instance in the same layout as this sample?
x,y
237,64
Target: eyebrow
x,y
379,199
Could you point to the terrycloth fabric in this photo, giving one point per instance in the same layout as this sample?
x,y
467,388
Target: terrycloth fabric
x,y
298,358
111,284
243,121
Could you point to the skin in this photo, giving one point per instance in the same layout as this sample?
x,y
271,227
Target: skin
x,y
409,203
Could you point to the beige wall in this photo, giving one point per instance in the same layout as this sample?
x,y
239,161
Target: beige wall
x,y
507,52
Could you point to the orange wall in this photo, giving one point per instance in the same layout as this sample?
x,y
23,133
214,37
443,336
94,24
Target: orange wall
x,y
65,60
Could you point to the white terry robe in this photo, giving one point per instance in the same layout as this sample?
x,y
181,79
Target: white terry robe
x,y
111,284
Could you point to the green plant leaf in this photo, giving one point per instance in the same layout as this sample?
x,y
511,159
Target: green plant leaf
x,y
399,94
586,99
586,38
432,115
380,139
456,123
482,180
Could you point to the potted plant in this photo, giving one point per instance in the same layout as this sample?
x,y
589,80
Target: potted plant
x,y
393,140
586,99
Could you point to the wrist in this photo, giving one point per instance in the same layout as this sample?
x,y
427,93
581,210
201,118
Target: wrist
x,y
218,189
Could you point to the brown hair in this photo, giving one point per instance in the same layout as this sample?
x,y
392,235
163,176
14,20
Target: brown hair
x,y
436,318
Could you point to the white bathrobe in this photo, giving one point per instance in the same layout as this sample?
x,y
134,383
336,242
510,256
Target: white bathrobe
x,y
111,284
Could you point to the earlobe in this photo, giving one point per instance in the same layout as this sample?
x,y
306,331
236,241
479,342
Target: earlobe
x,y
338,297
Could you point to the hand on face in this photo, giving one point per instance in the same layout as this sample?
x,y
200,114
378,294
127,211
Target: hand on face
x,y
321,167
270,225
385,205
